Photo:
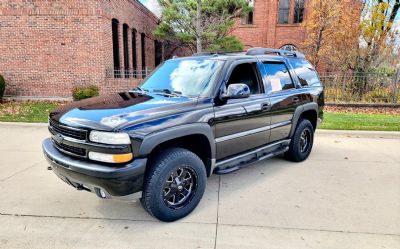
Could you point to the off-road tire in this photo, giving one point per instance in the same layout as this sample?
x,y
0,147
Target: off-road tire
x,y
160,170
295,152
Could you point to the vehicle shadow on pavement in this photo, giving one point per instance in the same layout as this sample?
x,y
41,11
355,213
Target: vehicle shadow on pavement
x,y
206,211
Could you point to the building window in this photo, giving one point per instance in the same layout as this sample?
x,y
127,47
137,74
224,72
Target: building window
x,y
157,52
298,11
284,9
249,19
289,47
125,29
115,41
143,46
134,53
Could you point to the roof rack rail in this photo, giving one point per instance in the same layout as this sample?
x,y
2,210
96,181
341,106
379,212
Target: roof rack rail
x,y
206,53
262,51
216,53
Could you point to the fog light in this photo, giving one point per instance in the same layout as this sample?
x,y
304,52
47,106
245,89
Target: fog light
x,y
110,158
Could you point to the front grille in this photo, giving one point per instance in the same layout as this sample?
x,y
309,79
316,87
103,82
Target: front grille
x,y
70,149
68,131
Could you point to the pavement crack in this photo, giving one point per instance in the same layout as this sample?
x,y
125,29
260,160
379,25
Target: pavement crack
x,y
201,223
353,161
94,218
310,229
20,171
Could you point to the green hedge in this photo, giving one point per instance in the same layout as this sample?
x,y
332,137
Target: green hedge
x,y
2,86
84,92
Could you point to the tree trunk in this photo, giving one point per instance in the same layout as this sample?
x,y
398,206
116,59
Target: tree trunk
x,y
199,29
318,47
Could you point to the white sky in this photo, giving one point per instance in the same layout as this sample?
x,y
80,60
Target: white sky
x,y
153,6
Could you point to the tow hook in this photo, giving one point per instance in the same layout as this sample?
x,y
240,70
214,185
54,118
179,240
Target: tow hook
x,y
81,187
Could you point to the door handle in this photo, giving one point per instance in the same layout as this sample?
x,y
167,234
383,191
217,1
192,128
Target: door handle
x,y
265,106
296,99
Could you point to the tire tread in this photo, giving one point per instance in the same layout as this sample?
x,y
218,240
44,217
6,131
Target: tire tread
x,y
157,165
293,153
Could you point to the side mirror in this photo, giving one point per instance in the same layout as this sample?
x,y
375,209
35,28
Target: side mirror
x,y
236,91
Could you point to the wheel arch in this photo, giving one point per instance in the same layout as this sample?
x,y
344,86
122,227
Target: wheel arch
x,y
308,111
197,138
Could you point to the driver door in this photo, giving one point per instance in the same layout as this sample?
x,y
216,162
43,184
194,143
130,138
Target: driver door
x,y
242,124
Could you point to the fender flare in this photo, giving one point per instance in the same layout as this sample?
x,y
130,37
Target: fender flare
x,y
300,110
152,140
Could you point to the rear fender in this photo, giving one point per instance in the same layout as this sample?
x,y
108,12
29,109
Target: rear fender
x,y
300,110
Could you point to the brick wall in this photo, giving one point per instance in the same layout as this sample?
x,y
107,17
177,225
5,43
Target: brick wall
x,y
265,30
48,47
143,21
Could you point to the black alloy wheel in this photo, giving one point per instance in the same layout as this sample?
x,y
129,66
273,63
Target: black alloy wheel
x,y
305,139
180,187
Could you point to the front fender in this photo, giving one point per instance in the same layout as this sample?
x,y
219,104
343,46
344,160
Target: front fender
x,y
151,140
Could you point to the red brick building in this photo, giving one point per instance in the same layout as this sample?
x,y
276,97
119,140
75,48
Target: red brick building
x,y
274,24
48,47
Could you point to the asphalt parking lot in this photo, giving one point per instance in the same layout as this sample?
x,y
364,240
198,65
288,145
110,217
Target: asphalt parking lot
x,y
346,195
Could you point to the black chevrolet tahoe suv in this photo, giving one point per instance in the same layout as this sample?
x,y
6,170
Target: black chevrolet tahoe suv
x,y
192,117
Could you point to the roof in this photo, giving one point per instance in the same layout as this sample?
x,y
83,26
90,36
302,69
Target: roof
x,y
269,53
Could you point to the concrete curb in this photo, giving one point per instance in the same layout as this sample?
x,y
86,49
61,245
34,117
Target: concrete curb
x,y
35,98
22,124
362,134
361,105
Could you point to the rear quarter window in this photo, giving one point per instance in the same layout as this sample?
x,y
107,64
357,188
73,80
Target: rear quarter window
x,y
277,76
305,73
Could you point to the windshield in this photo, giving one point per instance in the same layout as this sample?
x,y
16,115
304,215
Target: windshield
x,y
188,77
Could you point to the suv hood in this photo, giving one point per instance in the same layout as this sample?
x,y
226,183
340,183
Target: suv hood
x,y
116,111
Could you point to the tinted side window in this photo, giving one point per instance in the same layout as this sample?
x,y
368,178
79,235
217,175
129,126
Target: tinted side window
x,y
245,73
305,73
277,77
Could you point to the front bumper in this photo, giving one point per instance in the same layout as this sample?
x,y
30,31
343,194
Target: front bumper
x,y
123,182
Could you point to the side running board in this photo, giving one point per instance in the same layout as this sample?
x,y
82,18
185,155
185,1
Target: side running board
x,y
235,163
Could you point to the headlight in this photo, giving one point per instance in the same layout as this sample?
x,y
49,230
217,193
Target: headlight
x,y
109,137
110,158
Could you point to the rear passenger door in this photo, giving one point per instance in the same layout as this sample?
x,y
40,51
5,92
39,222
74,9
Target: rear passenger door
x,y
283,95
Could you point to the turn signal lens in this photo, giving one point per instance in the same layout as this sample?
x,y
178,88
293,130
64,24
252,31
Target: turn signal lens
x,y
122,158
110,158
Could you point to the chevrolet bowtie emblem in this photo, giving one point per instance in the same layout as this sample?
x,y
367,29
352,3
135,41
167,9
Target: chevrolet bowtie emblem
x,y
58,138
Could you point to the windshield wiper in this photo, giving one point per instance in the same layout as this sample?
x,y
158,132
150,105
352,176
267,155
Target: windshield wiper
x,y
168,92
139,90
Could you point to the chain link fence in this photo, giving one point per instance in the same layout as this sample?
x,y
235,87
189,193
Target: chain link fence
x,y
361,88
